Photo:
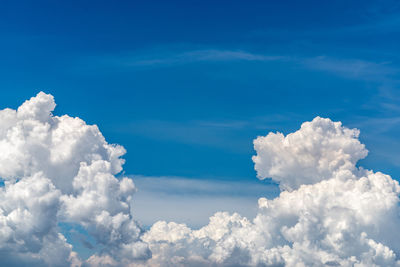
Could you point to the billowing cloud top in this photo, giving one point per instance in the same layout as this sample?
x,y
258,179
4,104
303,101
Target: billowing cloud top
x,y
320,150
59,169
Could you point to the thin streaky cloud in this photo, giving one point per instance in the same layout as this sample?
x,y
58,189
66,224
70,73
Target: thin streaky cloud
x,y
195,186
204,55
352,68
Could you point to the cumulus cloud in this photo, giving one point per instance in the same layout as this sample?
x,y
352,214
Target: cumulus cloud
x,y
59,169
319,150
329,213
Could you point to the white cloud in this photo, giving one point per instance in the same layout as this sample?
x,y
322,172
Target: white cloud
x,y
59,169
74,163
334,214
318,151
204,55
28,222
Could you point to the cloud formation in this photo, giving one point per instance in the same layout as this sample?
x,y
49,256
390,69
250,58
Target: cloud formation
x,y
333,214
59,169
319,150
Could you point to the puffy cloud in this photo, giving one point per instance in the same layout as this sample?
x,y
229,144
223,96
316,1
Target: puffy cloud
x,y
33,140
28,223
316,152
333,214
59,169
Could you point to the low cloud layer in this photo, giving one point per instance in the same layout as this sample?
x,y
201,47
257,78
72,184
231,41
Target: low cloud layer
x,y
58,169
174,198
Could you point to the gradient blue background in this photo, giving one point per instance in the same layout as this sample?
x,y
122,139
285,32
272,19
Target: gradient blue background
x,y
185,86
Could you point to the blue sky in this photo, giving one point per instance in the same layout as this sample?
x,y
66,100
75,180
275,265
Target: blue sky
x,y
185,86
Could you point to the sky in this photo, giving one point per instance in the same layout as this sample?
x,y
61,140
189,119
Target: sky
x,y
186,86
219,74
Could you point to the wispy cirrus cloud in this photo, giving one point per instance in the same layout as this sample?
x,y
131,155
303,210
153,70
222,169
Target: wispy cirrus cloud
x,y
379,77
353,68
193,56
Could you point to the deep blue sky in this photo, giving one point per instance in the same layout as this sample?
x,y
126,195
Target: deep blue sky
x,y
186,86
